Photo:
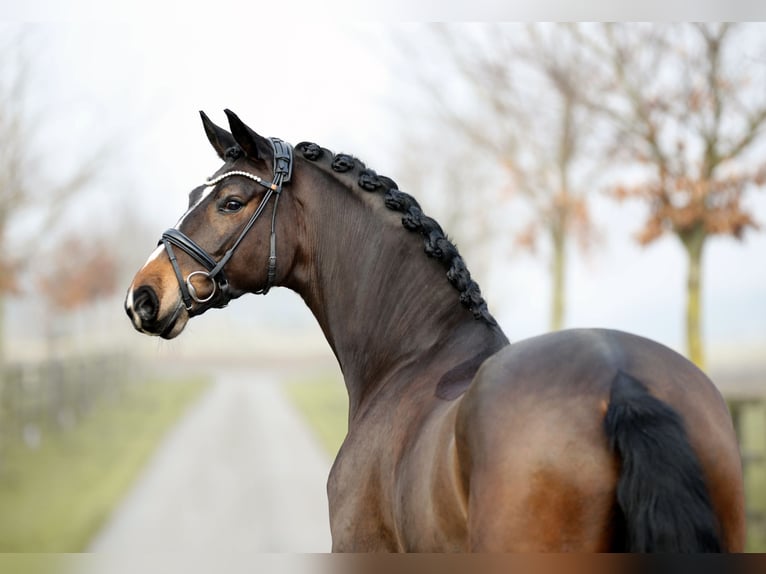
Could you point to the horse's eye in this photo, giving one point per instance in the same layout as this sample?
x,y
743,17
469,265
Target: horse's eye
x,y
232,205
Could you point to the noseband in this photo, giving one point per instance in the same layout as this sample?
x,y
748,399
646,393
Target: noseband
x,y
220,295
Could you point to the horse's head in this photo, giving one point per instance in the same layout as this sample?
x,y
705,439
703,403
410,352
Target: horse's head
x,y
225,243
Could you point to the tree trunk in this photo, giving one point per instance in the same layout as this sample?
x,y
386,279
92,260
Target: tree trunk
x,y
558,272
2,335
694,243
562,206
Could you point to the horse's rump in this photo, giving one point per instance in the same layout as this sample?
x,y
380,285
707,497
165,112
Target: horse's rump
x,y
566,452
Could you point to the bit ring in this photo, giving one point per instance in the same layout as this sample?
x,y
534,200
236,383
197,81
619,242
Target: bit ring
x,y
193,291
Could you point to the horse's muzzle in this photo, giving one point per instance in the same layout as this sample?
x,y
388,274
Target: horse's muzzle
x,y
143,308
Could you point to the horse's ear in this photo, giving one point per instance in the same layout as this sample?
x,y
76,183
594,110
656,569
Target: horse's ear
x,y
219,138
254,146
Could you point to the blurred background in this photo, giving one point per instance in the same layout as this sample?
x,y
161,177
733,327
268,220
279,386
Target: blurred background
x,y
592,175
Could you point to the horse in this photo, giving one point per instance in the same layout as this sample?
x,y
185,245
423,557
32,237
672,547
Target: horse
x,y
586,440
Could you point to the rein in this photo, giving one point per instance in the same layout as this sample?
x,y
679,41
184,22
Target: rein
x,y
220,295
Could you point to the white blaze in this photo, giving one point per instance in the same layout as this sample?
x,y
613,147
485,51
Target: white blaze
x,y
208,190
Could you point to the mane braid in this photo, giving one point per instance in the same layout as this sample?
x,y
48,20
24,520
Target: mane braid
x,y
436,244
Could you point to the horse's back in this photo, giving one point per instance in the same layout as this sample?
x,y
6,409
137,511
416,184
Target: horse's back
x,y
530,429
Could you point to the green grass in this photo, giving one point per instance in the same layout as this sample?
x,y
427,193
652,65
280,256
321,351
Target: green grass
x,y
324,404
753,443
55,498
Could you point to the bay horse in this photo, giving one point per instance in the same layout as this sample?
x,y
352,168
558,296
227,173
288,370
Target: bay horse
x,y
580,440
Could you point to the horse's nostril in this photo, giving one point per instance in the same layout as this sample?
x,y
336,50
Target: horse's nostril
x,y
145,303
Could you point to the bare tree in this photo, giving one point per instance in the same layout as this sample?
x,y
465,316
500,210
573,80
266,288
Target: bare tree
x,y
24,186
517,102
688,104
78,273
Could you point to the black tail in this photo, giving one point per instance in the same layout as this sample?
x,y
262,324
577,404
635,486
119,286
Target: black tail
x,y
661,492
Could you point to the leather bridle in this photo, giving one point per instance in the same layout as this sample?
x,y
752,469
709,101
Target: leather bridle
x,y
220,295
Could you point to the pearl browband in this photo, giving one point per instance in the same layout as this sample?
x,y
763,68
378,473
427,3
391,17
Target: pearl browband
x,y
219,178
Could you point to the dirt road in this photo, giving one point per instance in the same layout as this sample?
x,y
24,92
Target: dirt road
x,y
240,472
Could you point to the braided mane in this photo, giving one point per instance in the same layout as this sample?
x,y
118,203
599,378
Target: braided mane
x,y
436,243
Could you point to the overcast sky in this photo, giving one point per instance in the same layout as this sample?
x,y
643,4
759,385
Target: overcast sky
x,y
146,79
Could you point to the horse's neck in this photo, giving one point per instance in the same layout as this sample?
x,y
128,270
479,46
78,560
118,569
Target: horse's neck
x,y
388,311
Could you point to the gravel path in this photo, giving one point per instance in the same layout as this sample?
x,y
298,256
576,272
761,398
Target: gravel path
x,y
240,472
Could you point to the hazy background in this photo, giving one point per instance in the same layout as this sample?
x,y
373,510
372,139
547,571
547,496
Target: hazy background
x,y
112,141
127,94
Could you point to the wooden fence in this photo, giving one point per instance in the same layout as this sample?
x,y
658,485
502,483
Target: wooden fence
x,y
749,415
53,396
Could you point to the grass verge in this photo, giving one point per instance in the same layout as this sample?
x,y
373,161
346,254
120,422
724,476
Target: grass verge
x,y
55,498
753,446
324,404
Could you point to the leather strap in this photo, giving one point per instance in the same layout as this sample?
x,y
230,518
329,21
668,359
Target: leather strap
x,y
282,170
283,159
181,240
185,295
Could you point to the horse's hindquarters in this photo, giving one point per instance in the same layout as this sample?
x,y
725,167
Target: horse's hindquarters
x,y
532,440
541,479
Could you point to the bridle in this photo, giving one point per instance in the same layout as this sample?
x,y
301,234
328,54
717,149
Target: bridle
x,y
220,295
